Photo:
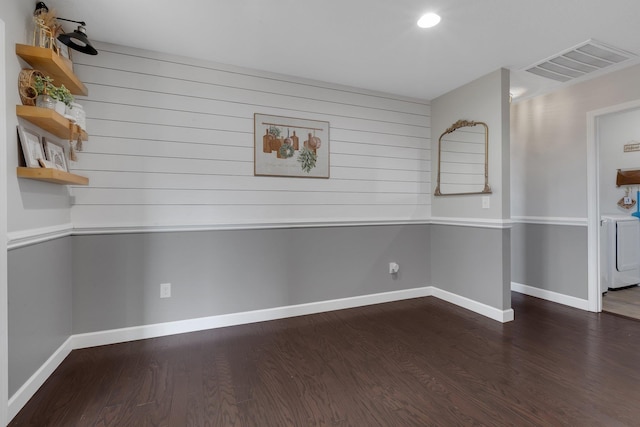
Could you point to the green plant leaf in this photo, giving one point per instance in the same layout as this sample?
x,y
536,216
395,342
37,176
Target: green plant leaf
x,y
307,159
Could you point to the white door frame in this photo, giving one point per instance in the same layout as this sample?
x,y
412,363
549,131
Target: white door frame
x,y
593,208
4,363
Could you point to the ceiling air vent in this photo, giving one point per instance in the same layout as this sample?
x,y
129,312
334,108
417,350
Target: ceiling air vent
x,y
579,61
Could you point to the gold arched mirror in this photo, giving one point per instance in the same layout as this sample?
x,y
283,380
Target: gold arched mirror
x,y
463,159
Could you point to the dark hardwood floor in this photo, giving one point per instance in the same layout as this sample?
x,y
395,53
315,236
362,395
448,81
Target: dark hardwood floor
x,y
410,363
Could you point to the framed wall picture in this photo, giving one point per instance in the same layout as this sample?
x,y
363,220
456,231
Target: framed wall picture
x,y
31,147
55,154
288,146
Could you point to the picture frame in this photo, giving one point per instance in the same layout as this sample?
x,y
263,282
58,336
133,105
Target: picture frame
x,y
31,144
55,154
291,147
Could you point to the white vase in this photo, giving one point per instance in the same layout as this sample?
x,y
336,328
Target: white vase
x,y
79,115
60,107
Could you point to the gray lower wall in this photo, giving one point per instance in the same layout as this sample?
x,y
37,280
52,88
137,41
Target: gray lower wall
x,y
40,310
117,277
99,282
551,257
472,262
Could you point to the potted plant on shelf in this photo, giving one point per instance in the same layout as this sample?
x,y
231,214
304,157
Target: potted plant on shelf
x,y
63,98
44,86
50,96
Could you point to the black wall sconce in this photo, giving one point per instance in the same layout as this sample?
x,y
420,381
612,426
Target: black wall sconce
x,y
78,39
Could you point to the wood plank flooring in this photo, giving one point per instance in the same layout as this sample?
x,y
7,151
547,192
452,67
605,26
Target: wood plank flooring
x,y
410,363
625,302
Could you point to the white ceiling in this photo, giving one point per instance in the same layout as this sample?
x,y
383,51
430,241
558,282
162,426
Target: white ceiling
x,y
372,44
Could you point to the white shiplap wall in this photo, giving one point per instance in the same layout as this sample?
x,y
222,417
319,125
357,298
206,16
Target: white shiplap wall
x,y
171,144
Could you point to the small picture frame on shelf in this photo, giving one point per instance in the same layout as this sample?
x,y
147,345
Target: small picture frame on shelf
x,y
31,147
55,155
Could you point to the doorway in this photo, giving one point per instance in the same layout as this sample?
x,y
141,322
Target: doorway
x,y
609,130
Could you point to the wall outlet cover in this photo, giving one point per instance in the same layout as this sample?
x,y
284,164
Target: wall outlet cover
x,y
165,290
486,202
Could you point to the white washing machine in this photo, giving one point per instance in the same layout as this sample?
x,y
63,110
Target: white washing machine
x,y
620,251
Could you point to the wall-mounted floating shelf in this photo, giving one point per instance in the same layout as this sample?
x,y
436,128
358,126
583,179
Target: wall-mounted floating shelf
x,y
60,69
51,121
628,177
52,175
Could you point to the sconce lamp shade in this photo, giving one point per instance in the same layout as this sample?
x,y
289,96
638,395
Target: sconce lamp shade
x,y
78,40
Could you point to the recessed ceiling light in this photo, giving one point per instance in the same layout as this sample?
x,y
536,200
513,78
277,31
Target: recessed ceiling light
x,y
428,20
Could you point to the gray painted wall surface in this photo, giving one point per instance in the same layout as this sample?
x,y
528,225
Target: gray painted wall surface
x,y
470,262
40,311
548,150
551,257
117,277
32,204
485,100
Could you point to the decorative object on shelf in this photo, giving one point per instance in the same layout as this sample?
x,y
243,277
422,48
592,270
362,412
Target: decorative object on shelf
x,y
78,40
63,97
31,147
275,155
50,96
627,201
79,116
26,85
43,27
55,154
43,86
46,101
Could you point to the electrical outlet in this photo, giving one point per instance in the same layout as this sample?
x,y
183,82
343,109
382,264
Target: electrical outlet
x,y
165,290
486,202
393,268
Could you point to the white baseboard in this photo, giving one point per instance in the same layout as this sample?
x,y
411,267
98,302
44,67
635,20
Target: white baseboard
x,y
475,306
582,304
92,339
29,388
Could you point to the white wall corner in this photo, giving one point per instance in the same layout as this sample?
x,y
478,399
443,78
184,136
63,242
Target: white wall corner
x,y
475,306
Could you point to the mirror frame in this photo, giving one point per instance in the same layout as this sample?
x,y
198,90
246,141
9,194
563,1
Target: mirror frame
x,y
457,125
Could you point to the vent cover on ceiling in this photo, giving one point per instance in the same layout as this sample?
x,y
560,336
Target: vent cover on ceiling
x,y
579,61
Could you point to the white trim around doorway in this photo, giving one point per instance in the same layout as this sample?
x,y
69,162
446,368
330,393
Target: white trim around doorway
x,y
4,355
593,209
